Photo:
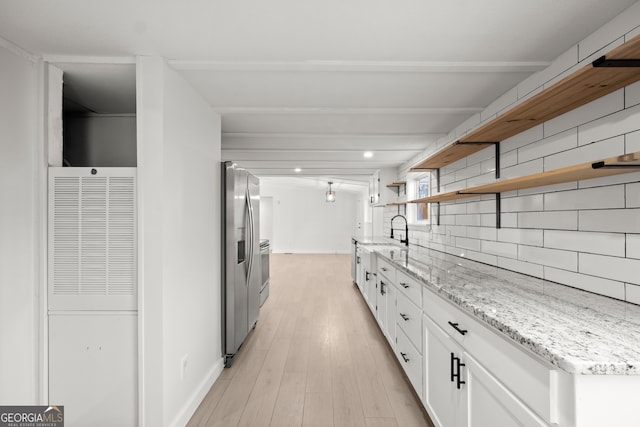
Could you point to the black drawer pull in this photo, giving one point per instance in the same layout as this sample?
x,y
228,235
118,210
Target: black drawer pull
x,y
455,326
366,275
455,371
404,285
404,356
382,285
383,268
404,317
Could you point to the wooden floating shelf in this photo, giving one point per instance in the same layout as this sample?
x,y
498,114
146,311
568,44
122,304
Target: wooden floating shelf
x,y
612,166
397,184
617,69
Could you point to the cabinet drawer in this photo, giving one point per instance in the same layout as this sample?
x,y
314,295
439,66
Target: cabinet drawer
x,y
532,380
411,361
411,287
409,319
386,268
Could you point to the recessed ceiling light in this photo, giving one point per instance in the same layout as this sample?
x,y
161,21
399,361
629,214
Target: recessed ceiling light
x,y
368,154
297,170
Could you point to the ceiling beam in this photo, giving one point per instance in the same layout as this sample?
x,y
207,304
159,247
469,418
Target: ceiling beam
x,y
364,66
225,111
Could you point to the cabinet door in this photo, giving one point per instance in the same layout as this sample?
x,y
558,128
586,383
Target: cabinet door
x,y
445,402
372,296
390,305
491,404
381,310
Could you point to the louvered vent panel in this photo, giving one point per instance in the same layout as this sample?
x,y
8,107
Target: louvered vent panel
x,y
92,239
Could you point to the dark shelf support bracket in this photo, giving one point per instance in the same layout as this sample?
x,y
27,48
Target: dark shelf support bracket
x,y
438,178
496,144
603,165
438,217
615,63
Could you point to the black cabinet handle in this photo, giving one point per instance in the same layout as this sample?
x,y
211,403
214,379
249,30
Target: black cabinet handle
x,y
455,326
366,275
404,356
357,260
456,364
382,285
404,317
383,268
404,285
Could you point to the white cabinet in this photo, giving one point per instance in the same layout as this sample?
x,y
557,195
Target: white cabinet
x,y
445,402
460,392
374,188
386,308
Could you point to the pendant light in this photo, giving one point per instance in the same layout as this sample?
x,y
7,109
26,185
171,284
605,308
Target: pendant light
x,y
331,195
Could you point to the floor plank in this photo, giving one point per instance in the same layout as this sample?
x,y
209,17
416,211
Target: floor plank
x,y
315,358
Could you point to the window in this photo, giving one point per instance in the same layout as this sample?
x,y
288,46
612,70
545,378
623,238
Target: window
x,y
418,187
422,186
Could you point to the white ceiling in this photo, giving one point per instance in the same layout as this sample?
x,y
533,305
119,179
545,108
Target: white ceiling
x,y
313,84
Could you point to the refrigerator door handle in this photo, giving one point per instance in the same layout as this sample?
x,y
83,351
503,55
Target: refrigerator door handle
x,y
249,234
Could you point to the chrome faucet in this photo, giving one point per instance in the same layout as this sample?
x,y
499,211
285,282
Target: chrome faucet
x,y
406,229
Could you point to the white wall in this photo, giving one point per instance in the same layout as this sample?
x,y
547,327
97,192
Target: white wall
x,y
266,218
179,176
304,223
584,234
19,192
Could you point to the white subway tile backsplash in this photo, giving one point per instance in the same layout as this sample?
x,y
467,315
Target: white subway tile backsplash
x,y
581,241
565,186
562,220
479,156
619,123
482,233
586,113
633,195
481,206
500,104
468,172
610,220
600,42
520,140
522,169
508,250
470,219
618,26
588,198
623,269
555,144
632,95
453,208
480,257
523,236
610,288
485,178
632,142
457,231
587,153
633,246
534,202
562,63
610,180
467,125
509,159
566,260
465,243
523,267
632,293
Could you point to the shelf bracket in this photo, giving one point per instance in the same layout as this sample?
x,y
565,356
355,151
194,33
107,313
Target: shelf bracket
x,y
496,144
615,63
438,218
603,165
498,204
438,181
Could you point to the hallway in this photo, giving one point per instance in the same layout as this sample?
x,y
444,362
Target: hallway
x,y
316,358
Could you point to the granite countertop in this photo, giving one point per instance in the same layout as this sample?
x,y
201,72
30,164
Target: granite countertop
x,y
577,331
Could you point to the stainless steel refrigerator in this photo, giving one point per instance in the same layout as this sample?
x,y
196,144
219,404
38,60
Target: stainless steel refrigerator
x,y
241,266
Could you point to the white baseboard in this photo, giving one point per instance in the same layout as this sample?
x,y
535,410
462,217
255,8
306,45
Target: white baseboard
x,y
198,395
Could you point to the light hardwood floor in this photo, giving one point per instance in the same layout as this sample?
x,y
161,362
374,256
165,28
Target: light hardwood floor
x,y
316,358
